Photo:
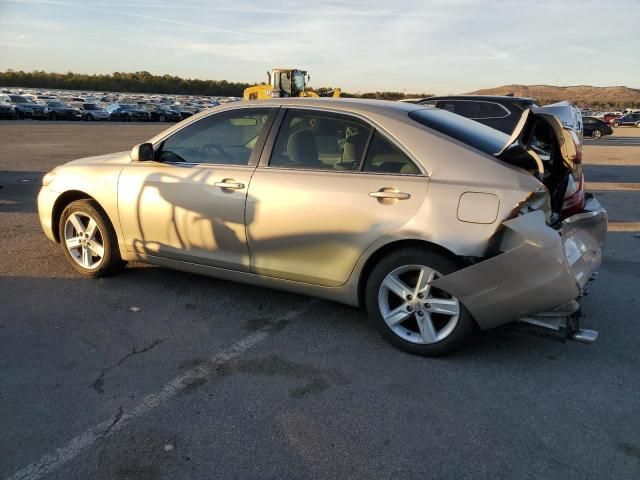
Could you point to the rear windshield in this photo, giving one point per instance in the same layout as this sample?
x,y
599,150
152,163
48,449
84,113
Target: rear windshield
x,y
475,134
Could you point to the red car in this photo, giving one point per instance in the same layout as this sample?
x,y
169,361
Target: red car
x,y
609,117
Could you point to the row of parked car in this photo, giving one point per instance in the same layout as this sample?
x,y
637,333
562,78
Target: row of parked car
x,y
15,106
629,117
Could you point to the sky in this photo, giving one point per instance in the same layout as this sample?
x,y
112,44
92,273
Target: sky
x,y
412,46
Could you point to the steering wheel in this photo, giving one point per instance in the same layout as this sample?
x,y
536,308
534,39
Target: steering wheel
x,y
209,148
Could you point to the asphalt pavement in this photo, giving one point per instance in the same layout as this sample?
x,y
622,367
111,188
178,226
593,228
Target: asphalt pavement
x,y
156,374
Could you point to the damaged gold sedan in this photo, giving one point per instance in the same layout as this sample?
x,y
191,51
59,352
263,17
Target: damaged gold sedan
x,y
432,222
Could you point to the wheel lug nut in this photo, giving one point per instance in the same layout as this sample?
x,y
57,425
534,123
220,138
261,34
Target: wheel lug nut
x,y
410,308
427,305
409,297
420,295
420,314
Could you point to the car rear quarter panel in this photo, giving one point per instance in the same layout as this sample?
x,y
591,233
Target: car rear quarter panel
x,y
455,169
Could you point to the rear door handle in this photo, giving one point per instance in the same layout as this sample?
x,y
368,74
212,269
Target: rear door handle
x,y
229,184
390,194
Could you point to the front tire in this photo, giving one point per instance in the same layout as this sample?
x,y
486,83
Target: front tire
x,y
596,134
615,124
88,239
408,312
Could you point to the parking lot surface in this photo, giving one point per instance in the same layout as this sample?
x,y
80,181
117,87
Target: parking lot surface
x,y
156,374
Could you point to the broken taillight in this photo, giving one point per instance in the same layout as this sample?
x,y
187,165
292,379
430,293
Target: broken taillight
x,y
574,197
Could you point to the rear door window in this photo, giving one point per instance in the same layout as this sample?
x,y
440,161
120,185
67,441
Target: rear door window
x,y
384,157
320,141
492,110
468,108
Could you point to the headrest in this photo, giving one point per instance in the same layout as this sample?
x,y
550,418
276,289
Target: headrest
x,y
302,148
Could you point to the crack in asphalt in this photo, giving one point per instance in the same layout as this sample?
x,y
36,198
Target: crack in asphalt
x,y
115,420
98,384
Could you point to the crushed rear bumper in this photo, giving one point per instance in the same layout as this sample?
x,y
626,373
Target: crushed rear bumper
x,y
538,269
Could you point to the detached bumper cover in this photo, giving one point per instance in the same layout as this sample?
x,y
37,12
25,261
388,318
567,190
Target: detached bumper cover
x,y
539,268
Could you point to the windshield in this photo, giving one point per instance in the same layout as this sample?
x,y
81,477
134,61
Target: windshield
x,y
18,99
470,132
297,82
56,104
285,83
128,107
91,106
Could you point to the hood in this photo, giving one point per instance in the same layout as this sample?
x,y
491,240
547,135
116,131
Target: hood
x,y
118,158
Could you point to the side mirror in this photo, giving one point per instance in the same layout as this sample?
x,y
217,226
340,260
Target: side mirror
x,y
142,152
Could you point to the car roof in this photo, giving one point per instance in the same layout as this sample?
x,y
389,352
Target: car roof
x,y
368,108
355,105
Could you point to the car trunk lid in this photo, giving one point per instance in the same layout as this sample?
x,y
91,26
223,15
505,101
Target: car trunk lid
x,y
542,144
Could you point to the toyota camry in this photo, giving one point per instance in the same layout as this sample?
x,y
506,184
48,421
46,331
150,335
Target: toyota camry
x,y
435,224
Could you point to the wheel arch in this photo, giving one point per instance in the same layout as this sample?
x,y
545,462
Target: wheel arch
x,y
390,247
67,198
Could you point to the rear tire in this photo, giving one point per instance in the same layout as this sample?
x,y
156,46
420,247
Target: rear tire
x,y
420,319
638,124
615,124
596,134
88,240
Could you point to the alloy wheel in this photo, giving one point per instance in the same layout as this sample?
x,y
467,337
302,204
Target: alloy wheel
x,y
596,134
413,309
84,240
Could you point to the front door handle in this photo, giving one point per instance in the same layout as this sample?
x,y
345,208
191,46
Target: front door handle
x,y
390,194
229,183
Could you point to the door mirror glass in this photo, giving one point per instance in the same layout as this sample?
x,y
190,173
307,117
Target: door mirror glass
x,y
142,153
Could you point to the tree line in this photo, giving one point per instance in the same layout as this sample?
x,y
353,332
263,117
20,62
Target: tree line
x,y
145,82
136,82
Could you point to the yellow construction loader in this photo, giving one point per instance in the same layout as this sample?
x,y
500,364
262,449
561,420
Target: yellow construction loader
x,y
286,82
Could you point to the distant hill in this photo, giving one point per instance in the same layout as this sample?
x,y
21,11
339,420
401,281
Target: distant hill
x,y
581,95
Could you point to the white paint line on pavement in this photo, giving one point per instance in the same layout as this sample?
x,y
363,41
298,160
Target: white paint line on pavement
x,y
77,445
